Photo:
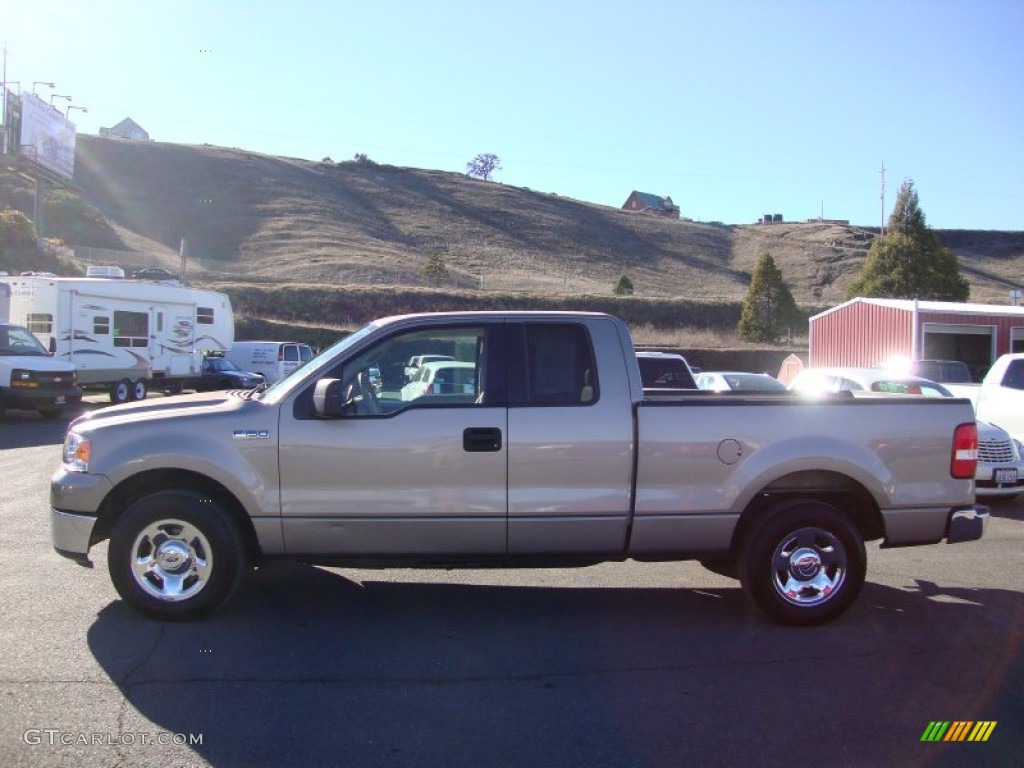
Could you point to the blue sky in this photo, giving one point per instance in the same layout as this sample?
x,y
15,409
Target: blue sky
x,y
734,109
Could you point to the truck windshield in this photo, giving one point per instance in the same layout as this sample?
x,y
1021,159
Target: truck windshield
x,y
15,340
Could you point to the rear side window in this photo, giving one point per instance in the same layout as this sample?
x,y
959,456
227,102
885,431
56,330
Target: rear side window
x,y
291,353
559,366
1014,378
665,373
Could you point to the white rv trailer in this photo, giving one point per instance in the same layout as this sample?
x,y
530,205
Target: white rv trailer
x,y
123,335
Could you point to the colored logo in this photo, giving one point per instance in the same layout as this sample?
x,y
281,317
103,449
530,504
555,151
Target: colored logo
x,y
959,730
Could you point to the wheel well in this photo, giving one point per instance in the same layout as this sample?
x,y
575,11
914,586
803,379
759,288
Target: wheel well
x,y
145,483
840,491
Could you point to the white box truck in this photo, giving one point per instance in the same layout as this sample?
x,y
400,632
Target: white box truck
x,y
123,335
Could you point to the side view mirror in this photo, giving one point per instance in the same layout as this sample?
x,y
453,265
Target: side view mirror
x,y
330,401
327,398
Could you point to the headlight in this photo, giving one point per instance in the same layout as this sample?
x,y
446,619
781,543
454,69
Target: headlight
x,y
77,451
23,379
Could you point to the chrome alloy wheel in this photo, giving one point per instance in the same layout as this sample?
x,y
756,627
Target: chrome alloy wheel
x,y
808,566
171,560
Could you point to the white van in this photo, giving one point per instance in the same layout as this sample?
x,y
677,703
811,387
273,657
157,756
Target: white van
x,y
274,359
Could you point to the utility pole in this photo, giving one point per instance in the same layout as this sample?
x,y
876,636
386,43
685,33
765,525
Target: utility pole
x,y
882,228
3,107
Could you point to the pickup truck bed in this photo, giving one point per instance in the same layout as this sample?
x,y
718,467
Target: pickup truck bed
x,y
552,454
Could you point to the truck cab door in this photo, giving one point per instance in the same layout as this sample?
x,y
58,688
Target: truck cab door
x,y
570,440
400,473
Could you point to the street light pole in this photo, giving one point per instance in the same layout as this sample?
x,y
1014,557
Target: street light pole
x,y
58,96
41,82
70,107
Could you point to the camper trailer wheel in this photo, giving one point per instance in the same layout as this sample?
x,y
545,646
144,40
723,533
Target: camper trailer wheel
x,y
120,391
139,389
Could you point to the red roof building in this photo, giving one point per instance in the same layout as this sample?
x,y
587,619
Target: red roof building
x,y
870,332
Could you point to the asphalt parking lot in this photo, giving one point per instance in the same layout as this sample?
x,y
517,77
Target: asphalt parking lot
x,y
623,664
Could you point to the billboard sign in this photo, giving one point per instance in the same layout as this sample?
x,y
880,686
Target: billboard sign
x,y
47,137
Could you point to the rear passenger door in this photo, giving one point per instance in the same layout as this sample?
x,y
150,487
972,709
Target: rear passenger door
x,y
570,439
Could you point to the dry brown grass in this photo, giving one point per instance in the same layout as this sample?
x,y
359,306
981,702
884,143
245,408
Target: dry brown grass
x,y
334,224
688,337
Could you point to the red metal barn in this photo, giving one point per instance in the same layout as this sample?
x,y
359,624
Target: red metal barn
x,y
871,332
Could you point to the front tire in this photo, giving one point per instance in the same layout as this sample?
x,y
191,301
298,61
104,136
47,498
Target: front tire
x,y
175,555
120,392
803,563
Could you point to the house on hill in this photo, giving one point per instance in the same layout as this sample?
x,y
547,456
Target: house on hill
x,y
126,129
644,202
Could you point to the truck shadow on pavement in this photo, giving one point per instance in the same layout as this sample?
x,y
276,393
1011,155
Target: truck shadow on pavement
x,y
308,667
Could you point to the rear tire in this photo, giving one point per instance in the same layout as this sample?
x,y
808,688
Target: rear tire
x,y
803,562
175,555
139,389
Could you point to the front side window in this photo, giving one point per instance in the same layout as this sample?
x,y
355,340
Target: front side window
x,y
376,382
101,325
204,315
39,323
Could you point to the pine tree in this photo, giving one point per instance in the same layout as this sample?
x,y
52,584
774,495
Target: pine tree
x,y
908,262
768,308
435,270
624,287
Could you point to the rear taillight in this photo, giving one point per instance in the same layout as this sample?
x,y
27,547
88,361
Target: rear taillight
x,y
964,460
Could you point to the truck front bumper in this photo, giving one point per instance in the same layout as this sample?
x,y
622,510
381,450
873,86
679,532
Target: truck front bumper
x,y
71,535
75,498
966,524
42,397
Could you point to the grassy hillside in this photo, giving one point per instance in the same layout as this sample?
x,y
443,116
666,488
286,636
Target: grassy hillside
x,y
250,216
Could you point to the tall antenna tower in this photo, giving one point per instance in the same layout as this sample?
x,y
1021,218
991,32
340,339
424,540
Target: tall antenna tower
x,y
882,228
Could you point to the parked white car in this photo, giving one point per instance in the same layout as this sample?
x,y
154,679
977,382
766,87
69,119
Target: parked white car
x,y
1000,470
738,381
412,368
442,377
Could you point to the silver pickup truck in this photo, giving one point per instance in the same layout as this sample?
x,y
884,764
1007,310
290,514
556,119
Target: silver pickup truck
x,y
546,453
